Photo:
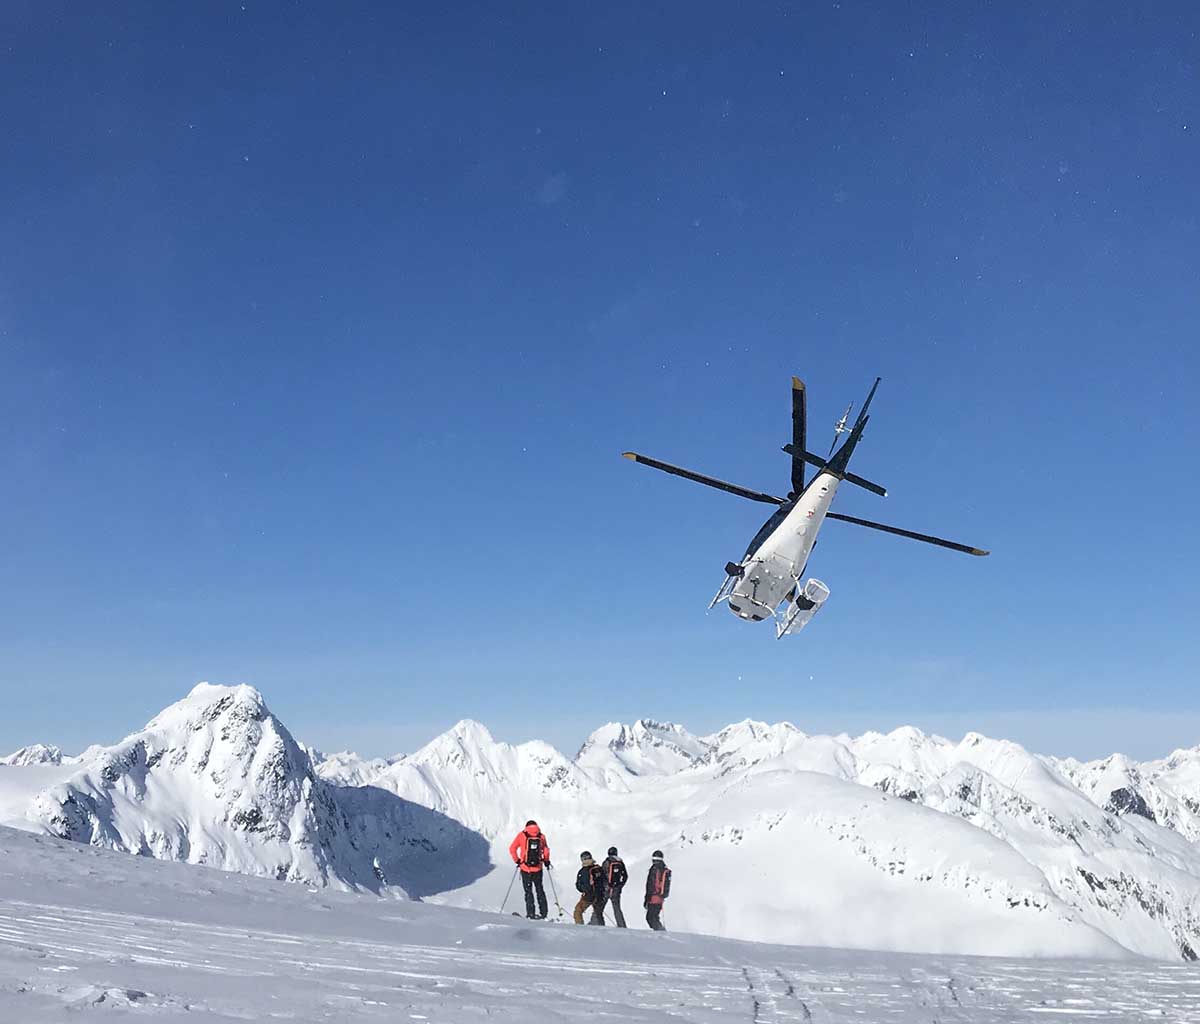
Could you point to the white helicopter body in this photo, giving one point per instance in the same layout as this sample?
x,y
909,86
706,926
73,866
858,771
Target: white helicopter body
x,y
772,570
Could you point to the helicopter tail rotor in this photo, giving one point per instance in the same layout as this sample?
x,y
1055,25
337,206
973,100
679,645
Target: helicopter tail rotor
x,y
840,428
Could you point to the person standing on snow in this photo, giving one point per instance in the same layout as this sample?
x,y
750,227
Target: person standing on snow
x,y
615,877
658,888
530,852
590,883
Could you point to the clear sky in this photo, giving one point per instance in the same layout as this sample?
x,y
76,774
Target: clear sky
x,y
322,328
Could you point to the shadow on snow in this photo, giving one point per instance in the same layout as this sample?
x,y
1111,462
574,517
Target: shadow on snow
x,y
422,850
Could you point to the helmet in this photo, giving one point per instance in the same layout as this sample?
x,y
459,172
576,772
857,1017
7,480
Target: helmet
x,y
612,851
530,822
657,855
586,855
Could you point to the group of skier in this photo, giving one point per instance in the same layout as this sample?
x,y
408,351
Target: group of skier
x,y
599,885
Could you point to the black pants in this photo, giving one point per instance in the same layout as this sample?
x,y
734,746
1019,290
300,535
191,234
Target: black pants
x,y
654,917
614,901
532,880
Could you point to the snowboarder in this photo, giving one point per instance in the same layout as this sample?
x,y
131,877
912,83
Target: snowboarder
x,y
530,852
658,888
615,877
590,883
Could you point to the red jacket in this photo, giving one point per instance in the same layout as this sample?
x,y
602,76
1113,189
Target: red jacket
x,y
517,848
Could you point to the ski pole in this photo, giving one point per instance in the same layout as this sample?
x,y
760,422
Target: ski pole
x,y
512,881
554,889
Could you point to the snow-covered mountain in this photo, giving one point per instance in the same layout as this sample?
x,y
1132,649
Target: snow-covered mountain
x,y
217,779
896,841
214,779
46,754
35,753
1165,791
474,779
615,751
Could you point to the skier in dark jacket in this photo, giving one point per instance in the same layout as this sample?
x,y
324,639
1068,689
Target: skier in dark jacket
x,y
615,877
658,888
590,883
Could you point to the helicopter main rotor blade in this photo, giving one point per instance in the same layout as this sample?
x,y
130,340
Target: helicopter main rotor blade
x,y
708,481
952,545
799,433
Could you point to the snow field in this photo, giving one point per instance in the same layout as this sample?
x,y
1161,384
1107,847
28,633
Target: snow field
x,y
86,931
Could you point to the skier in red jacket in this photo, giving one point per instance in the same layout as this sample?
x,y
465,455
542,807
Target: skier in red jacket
x,y
530,852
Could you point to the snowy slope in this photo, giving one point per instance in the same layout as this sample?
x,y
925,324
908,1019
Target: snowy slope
x,y
896,841
88,932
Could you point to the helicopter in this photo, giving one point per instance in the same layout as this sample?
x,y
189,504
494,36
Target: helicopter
x,y
766,583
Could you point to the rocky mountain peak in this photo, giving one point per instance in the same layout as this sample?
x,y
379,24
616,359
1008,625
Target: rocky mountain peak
x,y
617,752
213,779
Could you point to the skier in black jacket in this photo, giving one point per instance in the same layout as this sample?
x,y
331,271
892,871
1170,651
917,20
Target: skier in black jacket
x,y
590,883
615,877
658,888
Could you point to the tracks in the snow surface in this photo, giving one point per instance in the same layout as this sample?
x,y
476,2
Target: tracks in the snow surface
x,y
773,997
255,956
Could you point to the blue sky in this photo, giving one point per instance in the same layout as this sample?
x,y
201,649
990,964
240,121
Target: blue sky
x,y
321,332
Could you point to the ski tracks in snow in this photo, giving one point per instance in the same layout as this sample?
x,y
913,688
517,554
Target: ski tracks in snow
x,y
773,997
950,990
58,961
219,971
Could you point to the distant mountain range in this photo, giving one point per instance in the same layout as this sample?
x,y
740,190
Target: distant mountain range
x,y
900,841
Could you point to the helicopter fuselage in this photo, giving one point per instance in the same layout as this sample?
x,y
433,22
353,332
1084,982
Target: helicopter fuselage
x,y
779,552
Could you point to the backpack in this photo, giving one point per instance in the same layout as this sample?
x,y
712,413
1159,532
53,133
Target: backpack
x,y
533,851
590,880
658,884
617,875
